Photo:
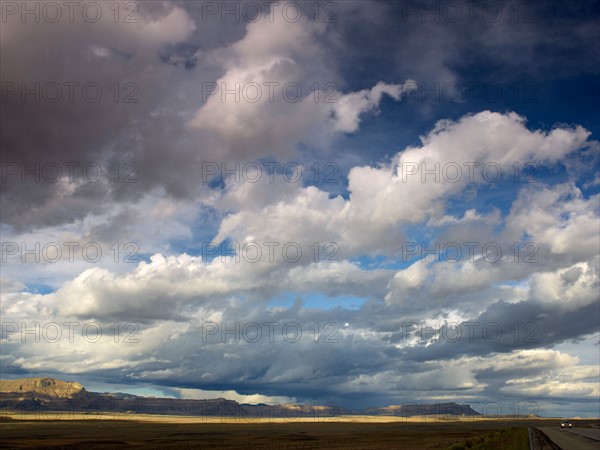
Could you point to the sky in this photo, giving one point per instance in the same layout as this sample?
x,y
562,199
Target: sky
x,y
363,203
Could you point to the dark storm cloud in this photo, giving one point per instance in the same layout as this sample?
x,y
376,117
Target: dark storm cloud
x,y
503,327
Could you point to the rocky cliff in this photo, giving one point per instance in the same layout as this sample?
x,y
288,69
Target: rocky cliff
x,y
47,387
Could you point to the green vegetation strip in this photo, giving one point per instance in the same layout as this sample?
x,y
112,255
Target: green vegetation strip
x,y
509,439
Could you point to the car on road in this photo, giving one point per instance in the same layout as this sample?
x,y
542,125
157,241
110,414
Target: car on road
x,y
566,424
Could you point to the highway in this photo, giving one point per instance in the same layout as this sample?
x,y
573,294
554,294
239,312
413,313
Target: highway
x,y
593,433
580,439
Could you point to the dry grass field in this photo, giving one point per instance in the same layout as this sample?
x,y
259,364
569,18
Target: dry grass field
x,y
20,430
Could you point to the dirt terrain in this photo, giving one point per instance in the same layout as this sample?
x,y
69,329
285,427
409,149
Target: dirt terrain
x,y
188,432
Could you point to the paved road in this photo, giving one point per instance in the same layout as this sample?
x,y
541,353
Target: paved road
x,y
539,441
593,433
568,440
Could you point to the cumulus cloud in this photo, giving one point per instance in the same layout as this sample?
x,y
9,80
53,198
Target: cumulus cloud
x,y
279,73
172,297
384,199
371,309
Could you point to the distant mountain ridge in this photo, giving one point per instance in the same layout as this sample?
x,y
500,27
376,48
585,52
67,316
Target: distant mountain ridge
x,y
49,394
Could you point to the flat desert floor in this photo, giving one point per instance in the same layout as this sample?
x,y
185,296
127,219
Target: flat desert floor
x,y
69,431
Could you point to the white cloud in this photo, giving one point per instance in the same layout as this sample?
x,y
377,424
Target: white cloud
x,y
280,74
569,288
351,106
559,219
385,198
232,395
